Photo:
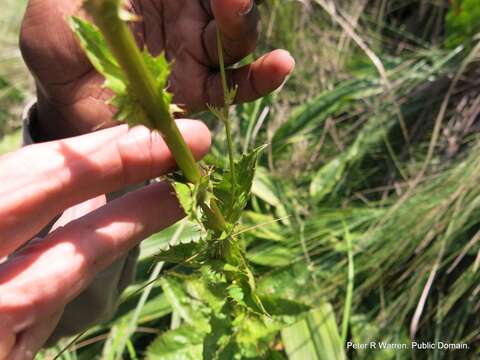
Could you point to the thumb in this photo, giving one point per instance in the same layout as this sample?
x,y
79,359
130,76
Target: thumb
x,y
56,47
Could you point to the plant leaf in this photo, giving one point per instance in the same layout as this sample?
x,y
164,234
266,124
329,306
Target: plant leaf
x,y
184,343
191,310
289,283
181,253
191,196
128,107
283,307
186,198
217,344
262,226
272,255
313,114
234,195
316,337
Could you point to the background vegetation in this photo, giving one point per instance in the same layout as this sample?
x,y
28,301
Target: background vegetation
x,y
366,206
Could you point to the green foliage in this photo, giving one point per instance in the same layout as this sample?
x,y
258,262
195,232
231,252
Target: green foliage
x,y
235,193
183,343
315,337
10,142
218,343
184,254
330,175
214,325
10,98
16,86
192,196
220,308
462,23
129,107
335,185
311,116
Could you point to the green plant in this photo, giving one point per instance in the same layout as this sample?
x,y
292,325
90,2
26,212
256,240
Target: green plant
x,y
225,313
462,23
329,131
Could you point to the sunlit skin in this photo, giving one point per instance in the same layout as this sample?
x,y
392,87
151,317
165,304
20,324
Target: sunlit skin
x,y
71,176
70,99
41,181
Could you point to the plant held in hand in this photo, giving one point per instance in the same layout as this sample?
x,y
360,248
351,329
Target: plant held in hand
x,y
214,198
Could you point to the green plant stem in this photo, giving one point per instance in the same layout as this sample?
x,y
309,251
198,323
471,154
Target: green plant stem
x,y
226,117
350,283
123,46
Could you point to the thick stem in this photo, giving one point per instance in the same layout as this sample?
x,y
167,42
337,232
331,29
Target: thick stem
x,y
105,14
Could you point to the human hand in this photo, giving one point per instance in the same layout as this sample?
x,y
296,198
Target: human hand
x,y
38,183
69,91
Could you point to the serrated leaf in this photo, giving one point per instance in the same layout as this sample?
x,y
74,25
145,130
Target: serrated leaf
x,y
97,51
191,196
192,310
181,253
186,198
211,288
128,107
233,194
183,343
236,293
231,95
250,300
217,112
217,344
241,284
254,335
242,295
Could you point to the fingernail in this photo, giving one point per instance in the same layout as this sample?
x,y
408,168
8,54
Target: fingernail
x,y
248,9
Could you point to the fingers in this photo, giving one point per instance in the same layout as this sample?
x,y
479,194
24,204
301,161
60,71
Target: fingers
x,y
238,21
255,80
40,181
32,340
46,275
77,211
48,45
7,341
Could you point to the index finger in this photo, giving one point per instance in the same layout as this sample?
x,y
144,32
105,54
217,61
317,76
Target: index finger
x,y
40,181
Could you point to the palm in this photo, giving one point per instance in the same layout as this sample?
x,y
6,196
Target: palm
x,y
70,95
181,29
